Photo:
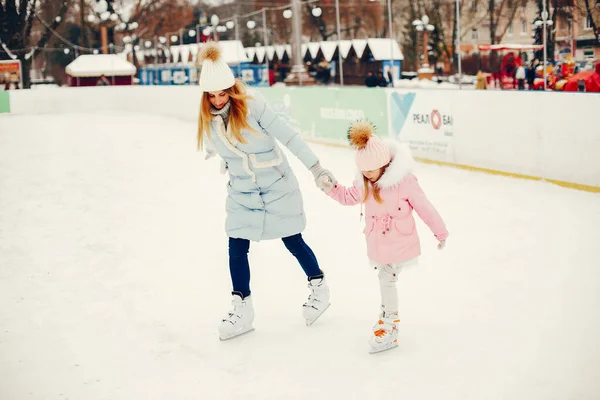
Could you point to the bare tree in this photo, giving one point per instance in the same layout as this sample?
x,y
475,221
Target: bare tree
x,y
498,11
319,23
17,19
590,15
505,10
411,54
372,20
152,17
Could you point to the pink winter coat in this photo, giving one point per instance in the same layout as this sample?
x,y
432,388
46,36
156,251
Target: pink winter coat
x,y
390,226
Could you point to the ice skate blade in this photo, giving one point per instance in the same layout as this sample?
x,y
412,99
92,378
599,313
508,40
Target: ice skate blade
x,y
310,322
236,334
389,346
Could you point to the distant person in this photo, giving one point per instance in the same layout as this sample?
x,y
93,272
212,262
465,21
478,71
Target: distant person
x,y
282,71
381,81
389,192
520,77
271,77
531,75
481,81
371,80
103,81
326,75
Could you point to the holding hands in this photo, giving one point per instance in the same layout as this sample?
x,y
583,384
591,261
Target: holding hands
x,y
324,179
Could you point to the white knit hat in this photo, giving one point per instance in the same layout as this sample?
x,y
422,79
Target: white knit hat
x,y
215,74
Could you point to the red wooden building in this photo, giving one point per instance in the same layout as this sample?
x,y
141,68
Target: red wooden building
x,y
100,70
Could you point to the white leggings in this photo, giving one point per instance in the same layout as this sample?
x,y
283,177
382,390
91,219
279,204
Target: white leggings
x,y
388,276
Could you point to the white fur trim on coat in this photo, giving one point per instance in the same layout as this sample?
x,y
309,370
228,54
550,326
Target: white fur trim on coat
x,y
401,165
224,135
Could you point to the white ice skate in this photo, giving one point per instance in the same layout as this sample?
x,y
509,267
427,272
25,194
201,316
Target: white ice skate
x,y
239,320
385,334
318,300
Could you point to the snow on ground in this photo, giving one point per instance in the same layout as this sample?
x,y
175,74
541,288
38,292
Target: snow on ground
x,y
113,278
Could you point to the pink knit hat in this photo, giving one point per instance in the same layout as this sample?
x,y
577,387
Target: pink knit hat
x,y
372,153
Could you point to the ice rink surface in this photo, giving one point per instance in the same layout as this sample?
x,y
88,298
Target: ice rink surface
x,y
114,277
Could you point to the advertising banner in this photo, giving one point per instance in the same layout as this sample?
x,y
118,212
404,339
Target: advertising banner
x,y
425,121
326,113
11,76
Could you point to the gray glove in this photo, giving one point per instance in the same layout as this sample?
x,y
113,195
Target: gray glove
x,y
323,177
210,153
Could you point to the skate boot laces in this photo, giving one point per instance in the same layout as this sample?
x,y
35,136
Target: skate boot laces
x,y
313,297
237,304
387,325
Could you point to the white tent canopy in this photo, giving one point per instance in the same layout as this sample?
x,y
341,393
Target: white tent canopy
x,y
280,51
313,48
95,65
380,48
260,53
175,50
328,49
233,52
359,46
250,52
345,46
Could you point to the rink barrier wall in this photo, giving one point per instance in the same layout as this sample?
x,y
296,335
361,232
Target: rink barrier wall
x,y
571,185
553,137
179,102
531,135
4,102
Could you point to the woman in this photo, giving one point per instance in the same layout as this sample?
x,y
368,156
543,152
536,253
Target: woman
x,y
264,200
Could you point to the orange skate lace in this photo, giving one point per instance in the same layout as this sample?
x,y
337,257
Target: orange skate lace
x,y
380,332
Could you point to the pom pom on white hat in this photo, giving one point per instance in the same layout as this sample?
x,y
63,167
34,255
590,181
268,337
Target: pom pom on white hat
x,y
215,74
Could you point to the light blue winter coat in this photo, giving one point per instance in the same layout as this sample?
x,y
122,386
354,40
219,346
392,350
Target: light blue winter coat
x,y
264,199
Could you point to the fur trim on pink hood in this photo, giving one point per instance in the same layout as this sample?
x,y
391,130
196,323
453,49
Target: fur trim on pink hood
x,y
390,226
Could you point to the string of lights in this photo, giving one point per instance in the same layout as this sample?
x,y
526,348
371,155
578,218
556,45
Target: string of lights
x,y
82,49
174,36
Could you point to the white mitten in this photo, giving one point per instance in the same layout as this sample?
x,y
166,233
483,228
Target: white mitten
x,y
441,244
323,177
210,149
210,153
325,184
223,166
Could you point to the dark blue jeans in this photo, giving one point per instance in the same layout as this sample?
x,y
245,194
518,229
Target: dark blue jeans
x,y
240,269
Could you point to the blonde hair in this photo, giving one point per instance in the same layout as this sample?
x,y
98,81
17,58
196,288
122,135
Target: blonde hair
x,y
376,189
238,112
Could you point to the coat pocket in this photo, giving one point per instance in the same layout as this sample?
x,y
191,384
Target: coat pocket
x,y
267,159
405,226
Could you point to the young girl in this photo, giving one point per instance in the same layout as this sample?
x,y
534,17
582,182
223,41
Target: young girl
x,y
389,192
264,200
